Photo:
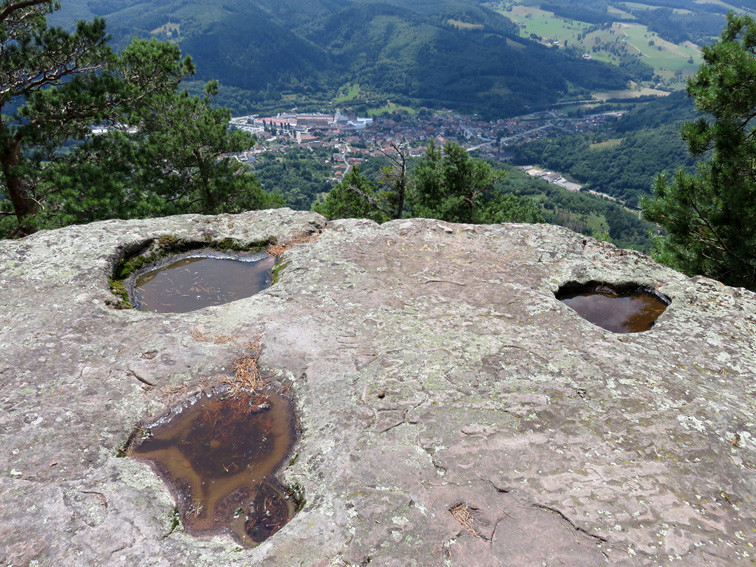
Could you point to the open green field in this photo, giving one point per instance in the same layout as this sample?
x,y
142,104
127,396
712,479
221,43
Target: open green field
x,y
546,24
391,107
607,144
726,5
641,6
620,13
635,91
347,93
352,94
460,25
167,29
662,55
598,225
672,63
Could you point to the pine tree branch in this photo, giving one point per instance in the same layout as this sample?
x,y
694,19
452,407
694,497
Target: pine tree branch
x,y
12,8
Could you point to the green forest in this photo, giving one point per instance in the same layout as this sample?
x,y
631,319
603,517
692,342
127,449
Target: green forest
x,y
581,212
623,159
298,175
160,149
467,55
274,55
301,177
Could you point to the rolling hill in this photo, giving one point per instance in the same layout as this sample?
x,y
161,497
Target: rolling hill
x,y
623,159
449,53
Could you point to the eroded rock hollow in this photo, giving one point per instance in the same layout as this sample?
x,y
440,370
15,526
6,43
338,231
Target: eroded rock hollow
x,y
451,410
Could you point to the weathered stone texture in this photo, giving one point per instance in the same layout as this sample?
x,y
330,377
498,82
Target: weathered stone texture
x,y
433,371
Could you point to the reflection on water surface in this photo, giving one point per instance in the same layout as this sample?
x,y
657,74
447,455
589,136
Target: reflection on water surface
x,y
622,309
196,281
219,455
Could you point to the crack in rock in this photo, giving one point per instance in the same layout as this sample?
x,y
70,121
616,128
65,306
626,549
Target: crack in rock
x,y
142,379
570,522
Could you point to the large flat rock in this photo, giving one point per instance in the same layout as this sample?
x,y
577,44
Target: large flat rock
x,y
452,411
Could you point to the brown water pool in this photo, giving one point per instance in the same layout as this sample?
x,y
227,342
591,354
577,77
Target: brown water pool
x,y
620,309
199,279
218,453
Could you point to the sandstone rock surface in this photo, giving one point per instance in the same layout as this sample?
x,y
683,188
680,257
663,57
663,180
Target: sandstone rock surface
x,y
452,411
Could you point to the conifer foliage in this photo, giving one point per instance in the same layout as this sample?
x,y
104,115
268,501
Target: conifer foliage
x,y
710,216
162,151
51,74
446,184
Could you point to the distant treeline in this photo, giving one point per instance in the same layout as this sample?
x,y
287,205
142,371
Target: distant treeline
x,y
699,23
582,213
589,11
267,53
650,144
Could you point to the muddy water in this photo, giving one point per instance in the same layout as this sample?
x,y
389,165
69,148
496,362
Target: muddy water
x,y
218,454
196,281
616,310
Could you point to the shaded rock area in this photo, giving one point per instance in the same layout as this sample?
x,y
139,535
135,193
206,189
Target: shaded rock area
x,y
452,411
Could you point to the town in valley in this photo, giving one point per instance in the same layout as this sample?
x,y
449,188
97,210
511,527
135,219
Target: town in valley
x,y
354,139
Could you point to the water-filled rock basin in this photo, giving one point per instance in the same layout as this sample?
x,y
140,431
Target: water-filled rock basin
x,y
624,308
198,279
218,453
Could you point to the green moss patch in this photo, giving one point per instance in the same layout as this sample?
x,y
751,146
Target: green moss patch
x,y
162,247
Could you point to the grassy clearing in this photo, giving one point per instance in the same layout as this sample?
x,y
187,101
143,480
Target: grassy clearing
x,y
629,94
636,39
460,25
597,223
673,63
641,6
662,55
576,107
607,144
166,29
499,89
621,13
348,93
391,107
546,24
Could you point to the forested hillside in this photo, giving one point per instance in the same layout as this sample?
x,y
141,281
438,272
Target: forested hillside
x,y
467,56
624,159
674,20
454,53
581,212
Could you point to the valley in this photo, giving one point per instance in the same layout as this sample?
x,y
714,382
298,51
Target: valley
x,y
529,82
302,156
356,139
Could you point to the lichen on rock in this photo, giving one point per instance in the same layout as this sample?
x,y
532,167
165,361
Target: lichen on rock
x,y
452,410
